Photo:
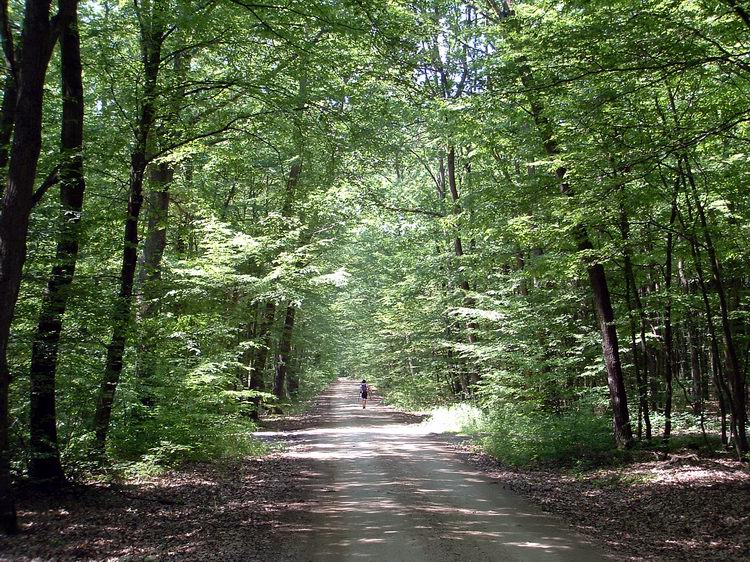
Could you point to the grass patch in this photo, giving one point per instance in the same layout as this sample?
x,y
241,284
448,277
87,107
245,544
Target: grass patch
x,y
526,437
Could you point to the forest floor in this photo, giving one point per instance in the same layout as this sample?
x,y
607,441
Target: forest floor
x,y
676,507
370,484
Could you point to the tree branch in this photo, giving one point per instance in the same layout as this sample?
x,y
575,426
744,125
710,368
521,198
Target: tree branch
x,y
49,181
228,126
407,210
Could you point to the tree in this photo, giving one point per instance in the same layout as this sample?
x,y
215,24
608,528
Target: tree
x,y
45,457
38,38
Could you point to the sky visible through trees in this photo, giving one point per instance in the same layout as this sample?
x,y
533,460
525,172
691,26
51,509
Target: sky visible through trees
x,y
211,208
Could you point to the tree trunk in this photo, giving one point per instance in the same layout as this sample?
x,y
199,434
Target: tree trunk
x,y
629,290
149,276
603,304
44,464
287,210
292,374
641,380
722,392
261,356
457,243
597,278
636,362
152,36
160,176
734,374
285,346
7,120
622,430
696,391
16,206
458,249
523,287
10,91
244,374
668,336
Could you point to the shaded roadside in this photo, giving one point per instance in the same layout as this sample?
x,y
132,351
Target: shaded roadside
x,y
680,508
205,511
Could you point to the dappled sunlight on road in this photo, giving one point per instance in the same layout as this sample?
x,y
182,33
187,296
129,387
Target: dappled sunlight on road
x,y
388,490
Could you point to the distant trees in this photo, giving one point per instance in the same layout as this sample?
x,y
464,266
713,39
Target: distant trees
x,y
610,105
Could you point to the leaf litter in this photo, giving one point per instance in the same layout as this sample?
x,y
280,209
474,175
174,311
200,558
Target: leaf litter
x,y
680,507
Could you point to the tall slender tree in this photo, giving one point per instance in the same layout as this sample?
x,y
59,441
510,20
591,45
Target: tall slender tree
x,y
38,39
44,464
152,19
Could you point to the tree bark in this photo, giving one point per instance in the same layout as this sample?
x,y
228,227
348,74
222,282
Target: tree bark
x,y
696,391
458,250
696,394
261,357
285,346
722,392
244,374
635,305
149,276
457,243
44,464
15,209
160,176
610,348
287,210
7,119
668,336
152,36
10,90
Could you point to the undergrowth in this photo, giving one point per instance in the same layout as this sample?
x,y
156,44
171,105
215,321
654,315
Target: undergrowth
x,y
520,436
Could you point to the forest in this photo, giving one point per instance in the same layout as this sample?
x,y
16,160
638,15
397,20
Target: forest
x,y
532,214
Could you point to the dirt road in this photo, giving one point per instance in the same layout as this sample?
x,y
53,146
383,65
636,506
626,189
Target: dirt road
x,y
378,488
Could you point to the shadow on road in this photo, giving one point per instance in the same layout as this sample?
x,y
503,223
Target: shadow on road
x,y
381,489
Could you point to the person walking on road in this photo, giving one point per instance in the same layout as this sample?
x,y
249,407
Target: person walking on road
x,y
363,391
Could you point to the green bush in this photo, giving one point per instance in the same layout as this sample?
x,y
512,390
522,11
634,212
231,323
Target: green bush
x,y
520,435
